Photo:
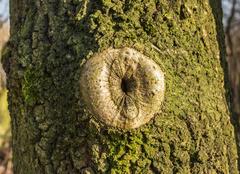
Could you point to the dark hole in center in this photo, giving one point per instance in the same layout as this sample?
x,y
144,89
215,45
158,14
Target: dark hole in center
x,y
128,84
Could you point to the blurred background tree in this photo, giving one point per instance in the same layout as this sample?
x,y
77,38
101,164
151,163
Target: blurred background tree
x,y
5,149
231,21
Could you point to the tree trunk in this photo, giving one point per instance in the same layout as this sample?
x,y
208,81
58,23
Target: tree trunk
x,y
53,132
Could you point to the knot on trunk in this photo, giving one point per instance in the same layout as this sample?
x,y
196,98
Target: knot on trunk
x,y
122,87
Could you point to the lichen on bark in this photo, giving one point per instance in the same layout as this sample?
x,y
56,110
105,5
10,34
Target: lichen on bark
x,y
52,130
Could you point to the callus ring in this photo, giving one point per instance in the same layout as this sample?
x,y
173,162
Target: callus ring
x,y
122,87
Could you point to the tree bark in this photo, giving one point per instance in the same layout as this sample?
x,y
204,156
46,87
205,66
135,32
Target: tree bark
x,y
52,129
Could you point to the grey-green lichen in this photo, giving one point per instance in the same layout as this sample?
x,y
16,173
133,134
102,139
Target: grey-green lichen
x,y
122,87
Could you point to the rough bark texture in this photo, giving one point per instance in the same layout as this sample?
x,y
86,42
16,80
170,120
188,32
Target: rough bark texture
x,y
52,130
